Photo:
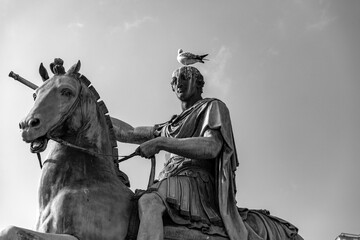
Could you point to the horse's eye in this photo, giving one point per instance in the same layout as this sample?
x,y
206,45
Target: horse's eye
x,y
66,92
34,96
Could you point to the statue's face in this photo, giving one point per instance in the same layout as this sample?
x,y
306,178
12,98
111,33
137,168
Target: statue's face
x,y
185,88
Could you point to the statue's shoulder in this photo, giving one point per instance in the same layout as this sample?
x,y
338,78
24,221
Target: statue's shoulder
x,y
212,101
215,102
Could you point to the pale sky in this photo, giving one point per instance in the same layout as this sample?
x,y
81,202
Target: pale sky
x,y
288,71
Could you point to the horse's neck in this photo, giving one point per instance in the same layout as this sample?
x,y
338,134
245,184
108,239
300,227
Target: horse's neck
x,y
91,132
94,132
67,166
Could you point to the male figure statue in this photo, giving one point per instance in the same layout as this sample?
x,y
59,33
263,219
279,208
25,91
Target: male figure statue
x,y
196,188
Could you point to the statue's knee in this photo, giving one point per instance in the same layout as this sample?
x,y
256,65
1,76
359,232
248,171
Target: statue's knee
x,y
9,232
151,202
147,200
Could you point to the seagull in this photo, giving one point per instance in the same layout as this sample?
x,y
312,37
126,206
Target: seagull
x,y
187,58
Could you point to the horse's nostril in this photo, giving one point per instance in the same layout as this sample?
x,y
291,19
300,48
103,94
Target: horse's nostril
x,y
34,122
22,125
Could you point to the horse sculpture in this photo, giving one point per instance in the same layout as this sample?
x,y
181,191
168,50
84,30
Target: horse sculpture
x,y
83,194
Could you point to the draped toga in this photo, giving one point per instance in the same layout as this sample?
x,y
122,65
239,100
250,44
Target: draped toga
x,y
201,193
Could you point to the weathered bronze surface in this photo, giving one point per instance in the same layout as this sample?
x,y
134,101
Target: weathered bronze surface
x,y
83,194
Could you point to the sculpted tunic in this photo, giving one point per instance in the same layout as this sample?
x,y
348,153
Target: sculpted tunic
x,y
201,193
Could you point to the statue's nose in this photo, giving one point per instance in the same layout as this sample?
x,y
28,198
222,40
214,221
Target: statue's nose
x,y
32,122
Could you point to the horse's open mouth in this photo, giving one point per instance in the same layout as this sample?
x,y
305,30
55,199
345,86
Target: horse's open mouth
x,y
39,144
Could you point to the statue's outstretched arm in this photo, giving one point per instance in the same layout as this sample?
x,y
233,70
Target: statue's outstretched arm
x,y
206,147
124,132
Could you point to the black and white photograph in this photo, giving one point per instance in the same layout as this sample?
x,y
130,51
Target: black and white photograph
x,y
152,119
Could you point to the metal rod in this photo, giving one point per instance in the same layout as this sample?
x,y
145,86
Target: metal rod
x,y
17,77
39,158
152,172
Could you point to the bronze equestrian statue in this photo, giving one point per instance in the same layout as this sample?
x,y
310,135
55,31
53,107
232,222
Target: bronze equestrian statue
x,y
84,195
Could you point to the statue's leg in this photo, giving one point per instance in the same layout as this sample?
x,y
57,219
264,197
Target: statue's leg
x,y
151,209
16,233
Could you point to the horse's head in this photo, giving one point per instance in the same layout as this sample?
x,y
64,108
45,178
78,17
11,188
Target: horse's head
x,y
68,109
55,101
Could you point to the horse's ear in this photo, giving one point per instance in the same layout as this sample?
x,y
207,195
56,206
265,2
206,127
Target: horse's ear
x,y
75,68
43,73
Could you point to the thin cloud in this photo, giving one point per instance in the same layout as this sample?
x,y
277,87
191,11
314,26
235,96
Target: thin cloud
x,y
137,23
298,2
217,75
273,52
4,8
127,25
323,21
76,25
281,27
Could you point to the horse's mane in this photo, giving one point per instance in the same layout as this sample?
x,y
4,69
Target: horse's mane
x,y
104,110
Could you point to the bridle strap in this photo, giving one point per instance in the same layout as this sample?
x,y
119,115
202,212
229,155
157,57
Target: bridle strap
x,y
68,113
61,121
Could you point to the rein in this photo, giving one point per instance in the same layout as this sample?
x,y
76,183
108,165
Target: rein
x,y
120,158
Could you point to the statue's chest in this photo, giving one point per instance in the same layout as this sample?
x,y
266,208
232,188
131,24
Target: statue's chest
x,y
58,176
59,212
62,199
85,212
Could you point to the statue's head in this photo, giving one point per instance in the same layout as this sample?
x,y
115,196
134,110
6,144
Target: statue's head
x,y
188,73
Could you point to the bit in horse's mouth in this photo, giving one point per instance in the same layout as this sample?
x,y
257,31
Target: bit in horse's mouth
x,y
39,144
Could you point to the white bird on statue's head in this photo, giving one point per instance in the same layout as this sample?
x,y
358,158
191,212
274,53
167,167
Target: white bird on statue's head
x,y
187,58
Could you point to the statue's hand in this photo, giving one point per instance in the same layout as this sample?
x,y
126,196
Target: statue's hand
x,y
149,148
